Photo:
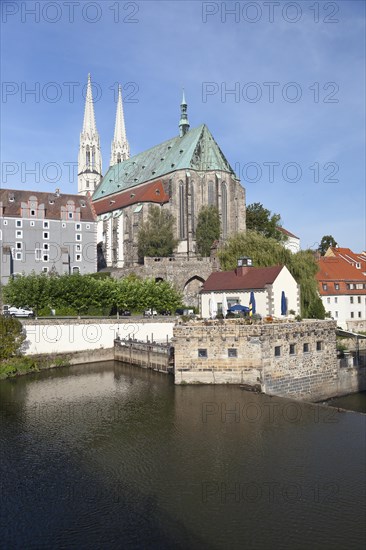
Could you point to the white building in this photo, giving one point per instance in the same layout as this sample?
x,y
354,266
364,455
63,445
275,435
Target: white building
x,y
266,283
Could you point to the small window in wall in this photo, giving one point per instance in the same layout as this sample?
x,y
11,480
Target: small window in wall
x,y
328,300
19,246
202,353
277,351
63,225
70,214
352,315
319,345
18,256
232,352
46,225
78,236
46,235
359,299
87,226
78,227
32,212
44,269
336,286
325,286
19,234
360,314
38,254
306,348
292,349
32,223
336,300
351,299
78,247
5,222
18,223
45,246
76,269
45,257
336,314
78,257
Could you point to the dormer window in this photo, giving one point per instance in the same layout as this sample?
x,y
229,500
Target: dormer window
x,y
70,214
32,212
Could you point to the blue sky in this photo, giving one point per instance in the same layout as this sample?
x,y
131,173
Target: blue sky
x,y
293,128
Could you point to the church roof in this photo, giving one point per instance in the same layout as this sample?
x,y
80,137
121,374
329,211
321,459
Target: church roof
x,y
196,150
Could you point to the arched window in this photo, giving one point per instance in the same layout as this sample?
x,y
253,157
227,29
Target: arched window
x,y
211,194
87,156
192,209
224,209
93,158
182,221
118,158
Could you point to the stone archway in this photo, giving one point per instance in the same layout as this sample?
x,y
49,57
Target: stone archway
x,y
191,290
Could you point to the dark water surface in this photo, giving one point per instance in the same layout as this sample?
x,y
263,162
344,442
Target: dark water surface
x,y
111,456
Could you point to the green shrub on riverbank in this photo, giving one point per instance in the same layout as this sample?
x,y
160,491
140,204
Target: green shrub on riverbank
x,y
17,365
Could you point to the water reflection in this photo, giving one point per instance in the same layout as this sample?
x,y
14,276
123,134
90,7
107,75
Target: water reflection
x,y
113,456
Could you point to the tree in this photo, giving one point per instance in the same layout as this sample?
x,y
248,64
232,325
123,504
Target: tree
x,y
262,220
156,236
11,337
325,243
207,230
266,252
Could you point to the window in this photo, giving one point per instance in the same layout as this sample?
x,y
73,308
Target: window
x,y
37,254
328,300
70,214
46,225
78,247
76,269
232,352
352,314
19,234
292,349
336,286
306,348
18,245
63,225
32,223
45,246
325,286
46,235
18,256
192,209
351,299
18,223
78,227
359,314
32,212
87,226
224,209
319,345
45,257
211,194
336,300
202,353
5,222
359,299
277,351
45,269
336,314
78,257
78,236
182,220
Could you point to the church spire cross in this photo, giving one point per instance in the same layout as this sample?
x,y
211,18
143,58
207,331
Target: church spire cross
x,y
183,123
120,147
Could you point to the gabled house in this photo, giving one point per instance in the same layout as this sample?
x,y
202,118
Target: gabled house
x,y
266,283
342,287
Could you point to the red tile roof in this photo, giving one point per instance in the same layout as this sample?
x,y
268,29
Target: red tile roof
x,y
12,199
348,256
285,232
253,278
150,192
335,270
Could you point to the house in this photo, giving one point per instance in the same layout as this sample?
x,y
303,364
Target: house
x,y
292,243
266,283
46,232
342,287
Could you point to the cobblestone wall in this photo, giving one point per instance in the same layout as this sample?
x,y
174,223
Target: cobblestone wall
x,y
288,359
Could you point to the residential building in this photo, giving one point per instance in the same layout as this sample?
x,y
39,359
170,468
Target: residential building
x,y
342,287
292,243
46,232
266,283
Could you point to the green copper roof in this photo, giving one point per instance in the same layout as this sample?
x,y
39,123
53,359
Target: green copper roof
x,y
196,150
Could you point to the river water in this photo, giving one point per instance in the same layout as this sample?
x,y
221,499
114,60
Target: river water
x,y
112,456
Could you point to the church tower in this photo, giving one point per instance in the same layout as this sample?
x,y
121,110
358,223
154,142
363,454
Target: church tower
x,y
120,147
183,123
90,158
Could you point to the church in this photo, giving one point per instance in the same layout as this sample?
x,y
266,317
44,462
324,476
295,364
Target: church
x,y
182,175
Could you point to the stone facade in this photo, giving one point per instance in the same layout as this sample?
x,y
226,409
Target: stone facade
x,y
287,359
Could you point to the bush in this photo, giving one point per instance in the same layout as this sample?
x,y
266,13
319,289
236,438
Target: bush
x,y
11,337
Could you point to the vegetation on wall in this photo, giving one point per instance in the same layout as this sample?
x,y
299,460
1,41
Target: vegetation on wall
x,y
266,252
207,230
156,234
86,294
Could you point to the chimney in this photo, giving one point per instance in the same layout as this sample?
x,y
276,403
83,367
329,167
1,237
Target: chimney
x,y
243,266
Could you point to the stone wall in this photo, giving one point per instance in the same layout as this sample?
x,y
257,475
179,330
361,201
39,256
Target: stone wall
x,y
288,359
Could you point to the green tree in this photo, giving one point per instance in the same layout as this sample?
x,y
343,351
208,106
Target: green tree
x,y
28,290
262,220
156,235
207,230
266,252
11,337
325,243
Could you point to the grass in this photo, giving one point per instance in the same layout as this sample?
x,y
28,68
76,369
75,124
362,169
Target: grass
x,y
18,365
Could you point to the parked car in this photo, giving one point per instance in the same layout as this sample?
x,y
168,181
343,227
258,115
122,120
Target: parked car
x,y
125,313
13,311
150,312
165,312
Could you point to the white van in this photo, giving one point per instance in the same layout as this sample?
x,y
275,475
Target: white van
x,y
13,311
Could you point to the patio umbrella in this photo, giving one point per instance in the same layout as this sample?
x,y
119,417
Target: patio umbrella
x,y
252,303
238,307
283,303
213,306
224,305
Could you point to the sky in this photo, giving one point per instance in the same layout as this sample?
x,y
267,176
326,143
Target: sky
x,y
281,86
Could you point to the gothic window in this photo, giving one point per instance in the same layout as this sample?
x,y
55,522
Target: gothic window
x,y
192,208
87,156
211,194
224,209
182,224
93,158
118,158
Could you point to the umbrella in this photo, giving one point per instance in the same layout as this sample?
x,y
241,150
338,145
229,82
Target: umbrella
x,y
252,303
213,306
238,307
224,305
283,303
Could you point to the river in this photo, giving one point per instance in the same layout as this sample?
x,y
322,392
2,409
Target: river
x,y
112,456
